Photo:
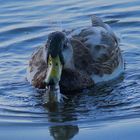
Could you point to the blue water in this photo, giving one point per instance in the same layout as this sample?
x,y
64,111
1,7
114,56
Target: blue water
x,y
24,25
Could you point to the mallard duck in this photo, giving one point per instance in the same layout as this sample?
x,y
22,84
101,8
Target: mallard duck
x,y
77,59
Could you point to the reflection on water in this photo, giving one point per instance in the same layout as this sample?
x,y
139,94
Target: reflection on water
x,y
25,25
63,132
59,131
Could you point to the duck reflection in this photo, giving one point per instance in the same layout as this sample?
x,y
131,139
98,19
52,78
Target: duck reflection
x,y
63,132
59,117
99,103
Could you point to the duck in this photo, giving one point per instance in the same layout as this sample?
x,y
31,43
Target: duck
x,y
76,59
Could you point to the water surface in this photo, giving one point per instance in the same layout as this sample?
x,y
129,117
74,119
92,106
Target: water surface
x,y
24,25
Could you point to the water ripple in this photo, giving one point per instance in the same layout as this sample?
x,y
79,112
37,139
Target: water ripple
x,y
24,26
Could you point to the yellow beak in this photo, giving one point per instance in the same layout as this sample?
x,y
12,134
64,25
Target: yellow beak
x,y
54,71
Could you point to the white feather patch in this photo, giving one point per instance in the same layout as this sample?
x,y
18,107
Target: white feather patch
x,y
107,77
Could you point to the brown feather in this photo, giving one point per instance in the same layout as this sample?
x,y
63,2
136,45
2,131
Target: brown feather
x,y
89,59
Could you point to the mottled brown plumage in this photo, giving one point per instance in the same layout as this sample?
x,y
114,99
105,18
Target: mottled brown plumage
x,y
96,58
71,80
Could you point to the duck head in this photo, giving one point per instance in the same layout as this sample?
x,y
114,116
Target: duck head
x,y
59,55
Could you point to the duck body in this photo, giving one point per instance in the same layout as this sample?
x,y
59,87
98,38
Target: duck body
x,y
96,58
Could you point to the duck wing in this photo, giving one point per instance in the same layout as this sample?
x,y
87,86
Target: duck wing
x,y
104,55
37,68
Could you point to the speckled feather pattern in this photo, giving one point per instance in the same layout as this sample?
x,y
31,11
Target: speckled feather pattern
x,y
96,55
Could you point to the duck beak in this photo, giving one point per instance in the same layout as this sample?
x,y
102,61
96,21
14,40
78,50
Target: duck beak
x,y
54,71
